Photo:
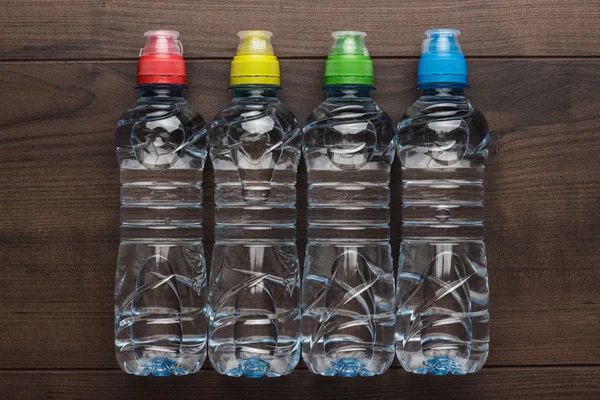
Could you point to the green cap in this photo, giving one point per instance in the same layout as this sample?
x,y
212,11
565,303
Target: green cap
x,y
349,61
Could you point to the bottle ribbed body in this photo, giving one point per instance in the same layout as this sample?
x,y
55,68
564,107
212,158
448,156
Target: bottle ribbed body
x,y
442,284
160,296
254,295
348,281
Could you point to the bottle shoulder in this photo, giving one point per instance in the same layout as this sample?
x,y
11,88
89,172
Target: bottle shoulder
x,y
332,108
253,117
146,107
349,117
444,125
431,109
176,120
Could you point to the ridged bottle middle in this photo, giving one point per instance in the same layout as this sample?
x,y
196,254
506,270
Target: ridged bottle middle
x,y
254,295
348,281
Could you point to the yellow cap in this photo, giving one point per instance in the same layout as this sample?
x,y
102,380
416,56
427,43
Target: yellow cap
x,y
255,62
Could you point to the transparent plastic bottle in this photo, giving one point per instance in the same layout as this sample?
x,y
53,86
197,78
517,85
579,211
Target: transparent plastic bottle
x,y
442,320
254,291
160,309
348,281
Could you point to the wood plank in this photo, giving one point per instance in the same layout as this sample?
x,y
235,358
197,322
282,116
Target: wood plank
x,y
112,29
545,383
59,196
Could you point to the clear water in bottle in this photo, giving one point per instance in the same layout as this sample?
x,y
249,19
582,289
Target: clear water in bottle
x,y
160,309
348,281
442,286
254,291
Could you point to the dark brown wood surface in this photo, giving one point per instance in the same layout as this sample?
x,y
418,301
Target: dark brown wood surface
x,y
543,383
68,72
92,29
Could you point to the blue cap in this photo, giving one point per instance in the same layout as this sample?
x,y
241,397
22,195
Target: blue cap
x,y
442,60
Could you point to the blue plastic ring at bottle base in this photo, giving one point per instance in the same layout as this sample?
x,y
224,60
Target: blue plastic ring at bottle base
x,y
442,68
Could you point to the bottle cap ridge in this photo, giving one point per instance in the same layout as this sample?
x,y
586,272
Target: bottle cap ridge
x,y
442,60
348,61
255,62
161,59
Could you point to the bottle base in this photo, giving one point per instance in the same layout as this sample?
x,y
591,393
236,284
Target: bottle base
x,y
442,366
161,366
254,367
250,368
376,364
347,368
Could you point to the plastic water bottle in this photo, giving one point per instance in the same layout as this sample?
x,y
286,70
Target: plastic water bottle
x,y
160,310
348,282
254,291
442,321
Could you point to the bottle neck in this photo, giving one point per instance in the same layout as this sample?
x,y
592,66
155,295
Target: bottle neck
x,y
162,91
442,91
353,92
264,92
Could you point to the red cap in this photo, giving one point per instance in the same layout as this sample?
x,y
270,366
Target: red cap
x,y
161,60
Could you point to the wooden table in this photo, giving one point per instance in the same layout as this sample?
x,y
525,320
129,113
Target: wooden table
x,y
67,71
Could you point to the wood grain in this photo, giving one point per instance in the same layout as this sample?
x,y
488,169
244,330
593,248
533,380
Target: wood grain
x,y
59,195
112,29
544,383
